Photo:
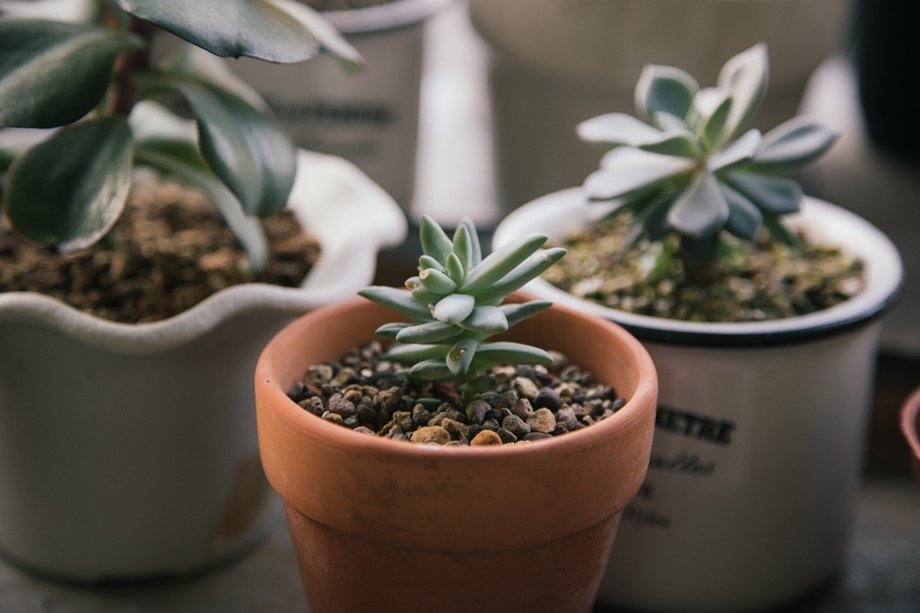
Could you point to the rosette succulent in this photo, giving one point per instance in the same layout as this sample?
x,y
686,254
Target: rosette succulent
x,y
687,166
86,79
454,304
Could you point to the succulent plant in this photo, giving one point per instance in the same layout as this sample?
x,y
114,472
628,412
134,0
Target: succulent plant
x,y
686,166
454,304
87,78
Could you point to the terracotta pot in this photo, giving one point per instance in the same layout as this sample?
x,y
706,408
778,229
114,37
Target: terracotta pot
x,y
378,523
910,426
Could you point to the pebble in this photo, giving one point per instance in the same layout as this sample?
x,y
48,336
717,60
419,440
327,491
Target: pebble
x,y
476,411
420,415
364,430
314,404
522,408
334,418
547,398
537,436
486,437
516,426
431,434
525,388
338,404
542,421
506,436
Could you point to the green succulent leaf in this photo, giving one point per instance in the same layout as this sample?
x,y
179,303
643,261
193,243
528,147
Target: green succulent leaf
x,y
431,370
664,89
455,268
460,356
182,160
436,281
651,218
53,195
426,296
773,195
276,30
679,143
435,243
518,312
398,300
486,320
713,130
463,249
454,308
778,231
53,73
410,354
529,269
391,330
793,144
615,129
475,248
738,153
500,262
626,171
743,215
426,261
431,332
506,352
700,210
191,60
745,75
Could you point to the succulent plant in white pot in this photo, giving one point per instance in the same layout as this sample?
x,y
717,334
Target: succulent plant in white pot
x,y
130,449
766,368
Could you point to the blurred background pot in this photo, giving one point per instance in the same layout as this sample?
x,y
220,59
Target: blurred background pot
x,y
369,117
556,63
387,525
760,432
910,426
130,450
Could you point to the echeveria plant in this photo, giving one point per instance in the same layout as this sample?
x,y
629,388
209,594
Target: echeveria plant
x,y
87,78
454,304
687,166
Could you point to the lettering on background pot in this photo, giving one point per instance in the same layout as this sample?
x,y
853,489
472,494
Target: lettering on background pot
x,y
338,113
693,425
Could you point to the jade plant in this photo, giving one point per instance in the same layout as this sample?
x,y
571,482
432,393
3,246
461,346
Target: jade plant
x,y
686,164
454,306
86,80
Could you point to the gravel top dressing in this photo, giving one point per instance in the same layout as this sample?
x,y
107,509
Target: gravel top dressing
x,y
365,392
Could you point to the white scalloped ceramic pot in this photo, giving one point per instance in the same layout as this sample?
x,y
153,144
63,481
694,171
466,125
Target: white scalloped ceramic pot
x,y
131,450
759,436
369,117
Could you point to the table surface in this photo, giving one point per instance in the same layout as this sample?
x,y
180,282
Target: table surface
x,y
883,569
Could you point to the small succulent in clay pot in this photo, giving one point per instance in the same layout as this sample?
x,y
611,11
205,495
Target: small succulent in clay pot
x,y
443,380
696,204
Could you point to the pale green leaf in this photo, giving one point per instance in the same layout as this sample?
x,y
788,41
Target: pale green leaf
x,y
526,271
773,195
431,370
743,215
505,352
410,354
435,242
436,281
700,210
793,144
628,172
454,268
745,76
664,89
390,330
475,248
398,300
501,261
431,332
460,356
617,129
463,248
454,308
486,320
737,153
518,312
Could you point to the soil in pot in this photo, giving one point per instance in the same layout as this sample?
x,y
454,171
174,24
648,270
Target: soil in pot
x,y
754,281
371,395
169,251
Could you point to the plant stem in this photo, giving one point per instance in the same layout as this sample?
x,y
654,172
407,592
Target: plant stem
x,y
126,92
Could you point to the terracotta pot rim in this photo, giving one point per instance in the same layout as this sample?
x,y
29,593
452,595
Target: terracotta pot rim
x,y
910,422
340,437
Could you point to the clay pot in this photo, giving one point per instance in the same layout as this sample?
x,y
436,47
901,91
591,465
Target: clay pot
x,y
910,426
379,523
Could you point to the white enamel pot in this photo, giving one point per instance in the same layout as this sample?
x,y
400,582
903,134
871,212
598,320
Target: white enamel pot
x,y
130,450
760,432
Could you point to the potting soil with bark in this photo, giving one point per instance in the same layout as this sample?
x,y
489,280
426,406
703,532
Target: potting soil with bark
x,y
365,392
169,251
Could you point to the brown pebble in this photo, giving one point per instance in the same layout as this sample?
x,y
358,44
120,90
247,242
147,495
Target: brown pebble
x,y
452,425
431,434
542,421
334,418
364,430
526,388
486,437
522,408
516,426
313,404
476,411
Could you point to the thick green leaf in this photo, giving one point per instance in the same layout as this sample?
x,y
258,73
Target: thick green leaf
x,y
52,73
700,210
274,30
626,172
505,352
398,300
189,59
651,217
486,320
745,76
249,153
410,354
182,160
455,268
714,124
616,129
518,312
523,273
436,281
674,142
454,308
737,153
463,249
435,242
793,144
432,332
501,261
664,89
71,188
475,248
391,330
743,215
431,370
773,195
461,355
